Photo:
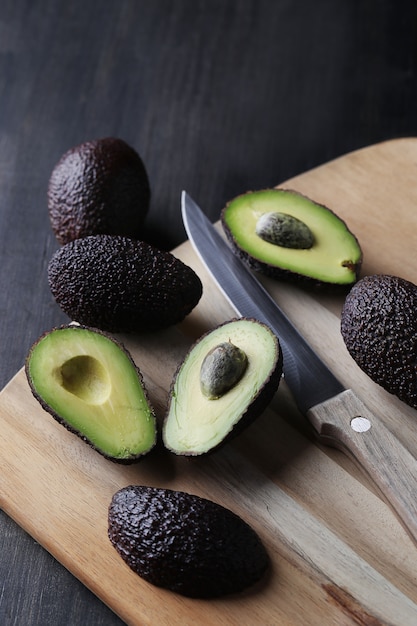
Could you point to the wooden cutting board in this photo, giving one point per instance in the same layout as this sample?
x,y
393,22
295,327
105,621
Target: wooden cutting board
x,y
339,554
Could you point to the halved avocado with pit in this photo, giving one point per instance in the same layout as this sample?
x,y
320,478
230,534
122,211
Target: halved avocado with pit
x,y
89,383
204,413
284,234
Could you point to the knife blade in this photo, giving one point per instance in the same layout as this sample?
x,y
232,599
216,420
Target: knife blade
x,y
338,417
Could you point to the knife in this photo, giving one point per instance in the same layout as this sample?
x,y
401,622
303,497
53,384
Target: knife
x,y
338,417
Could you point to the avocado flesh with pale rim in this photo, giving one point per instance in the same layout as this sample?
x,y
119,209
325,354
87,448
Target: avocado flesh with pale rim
x,y
196,424
335,256
89,383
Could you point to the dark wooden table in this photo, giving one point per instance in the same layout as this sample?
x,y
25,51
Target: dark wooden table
x,y
218,97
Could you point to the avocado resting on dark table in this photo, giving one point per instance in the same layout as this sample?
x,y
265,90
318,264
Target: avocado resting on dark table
x,y
98,187
120,284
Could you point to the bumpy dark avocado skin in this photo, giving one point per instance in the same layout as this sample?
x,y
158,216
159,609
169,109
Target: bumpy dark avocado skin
x,y
185,543
99,186
119,284
379,328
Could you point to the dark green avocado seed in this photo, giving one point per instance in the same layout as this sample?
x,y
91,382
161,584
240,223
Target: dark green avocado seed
x,y
221,369
284,230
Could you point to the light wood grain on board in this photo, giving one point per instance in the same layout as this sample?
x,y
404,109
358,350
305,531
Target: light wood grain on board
x,y
339,554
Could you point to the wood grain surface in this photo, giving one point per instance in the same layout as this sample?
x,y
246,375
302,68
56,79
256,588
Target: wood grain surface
x,y
339,554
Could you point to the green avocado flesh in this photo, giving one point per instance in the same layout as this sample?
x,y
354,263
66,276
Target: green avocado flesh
x,y
195,422
334,257
89,383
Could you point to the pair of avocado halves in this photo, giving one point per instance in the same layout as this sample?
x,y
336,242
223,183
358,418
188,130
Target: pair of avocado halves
x,y
88,381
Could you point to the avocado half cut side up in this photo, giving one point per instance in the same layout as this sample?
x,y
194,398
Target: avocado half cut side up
x,y
185,543
283,234
89,383
203,413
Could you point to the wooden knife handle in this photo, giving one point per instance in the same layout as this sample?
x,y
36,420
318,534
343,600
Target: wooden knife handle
x,y
345,422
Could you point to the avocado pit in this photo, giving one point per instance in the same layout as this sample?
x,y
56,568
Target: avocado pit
x,y
282,229
221,369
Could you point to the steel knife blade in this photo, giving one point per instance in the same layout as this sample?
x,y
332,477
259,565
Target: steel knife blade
x,y
337,415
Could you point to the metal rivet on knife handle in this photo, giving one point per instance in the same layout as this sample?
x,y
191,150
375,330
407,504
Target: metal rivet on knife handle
x,y
360,424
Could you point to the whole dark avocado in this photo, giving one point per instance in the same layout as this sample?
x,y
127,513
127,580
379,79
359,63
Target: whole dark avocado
x,y
185,543
119,284
98,187
379,328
